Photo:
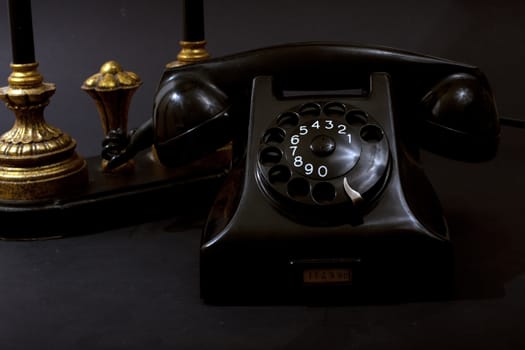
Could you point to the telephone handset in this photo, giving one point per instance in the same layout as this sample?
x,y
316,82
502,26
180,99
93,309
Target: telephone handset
x,y
325,189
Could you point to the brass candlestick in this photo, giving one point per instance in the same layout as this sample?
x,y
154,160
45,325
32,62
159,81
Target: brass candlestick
x,y
112,89
37,160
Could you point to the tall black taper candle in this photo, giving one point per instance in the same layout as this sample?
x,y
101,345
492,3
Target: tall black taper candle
x,y
193,20
193,42
21,22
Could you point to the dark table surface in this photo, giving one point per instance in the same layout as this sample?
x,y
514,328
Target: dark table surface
x,y
136,286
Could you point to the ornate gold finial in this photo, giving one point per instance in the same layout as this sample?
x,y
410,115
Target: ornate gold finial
x,y
112,89
37,160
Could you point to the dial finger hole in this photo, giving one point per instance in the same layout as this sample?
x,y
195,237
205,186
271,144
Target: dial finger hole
x,y
371,133
334,109
274,135
279,174
298,188
323,192
310,110
270,155
356,118
288,120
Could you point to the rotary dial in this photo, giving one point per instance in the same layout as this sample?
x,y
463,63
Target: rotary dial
x,y
323,154
322,148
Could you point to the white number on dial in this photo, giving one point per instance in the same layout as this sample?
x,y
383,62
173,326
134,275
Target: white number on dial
x,y
322,171
329,124
309,169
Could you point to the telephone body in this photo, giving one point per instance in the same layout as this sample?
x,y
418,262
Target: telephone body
x,y
326,192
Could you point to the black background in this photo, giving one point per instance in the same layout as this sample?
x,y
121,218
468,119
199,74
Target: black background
x,y
136,287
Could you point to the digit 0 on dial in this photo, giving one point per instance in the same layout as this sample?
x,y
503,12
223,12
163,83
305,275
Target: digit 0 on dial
x,y
323,155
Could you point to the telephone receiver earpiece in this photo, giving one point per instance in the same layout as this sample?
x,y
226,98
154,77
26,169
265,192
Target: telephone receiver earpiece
x,y
201,106
183,107
460,119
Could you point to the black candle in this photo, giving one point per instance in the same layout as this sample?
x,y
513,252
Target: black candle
x,y
21,22
193,20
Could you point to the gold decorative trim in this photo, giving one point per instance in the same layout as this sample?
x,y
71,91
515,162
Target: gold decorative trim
x,y
25,76
112,77
191,52
37,160
112,89
54,180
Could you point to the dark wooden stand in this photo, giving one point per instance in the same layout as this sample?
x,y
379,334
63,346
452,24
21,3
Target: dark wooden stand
x,y
151,191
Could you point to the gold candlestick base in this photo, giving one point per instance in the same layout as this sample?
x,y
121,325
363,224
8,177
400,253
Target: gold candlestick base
x,y
37,160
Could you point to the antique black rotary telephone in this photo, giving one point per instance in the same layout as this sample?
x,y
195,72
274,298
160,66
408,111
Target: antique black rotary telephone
x,y
325,189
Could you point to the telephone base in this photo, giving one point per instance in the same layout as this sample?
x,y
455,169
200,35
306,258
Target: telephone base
x,y
383,270
150,192
288,237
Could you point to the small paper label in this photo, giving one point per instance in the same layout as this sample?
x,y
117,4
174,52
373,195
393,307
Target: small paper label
x,y
320,276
